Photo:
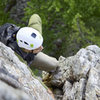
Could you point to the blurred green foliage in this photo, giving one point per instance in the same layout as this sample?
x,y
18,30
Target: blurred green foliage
x,y
74,22
4,16
68,25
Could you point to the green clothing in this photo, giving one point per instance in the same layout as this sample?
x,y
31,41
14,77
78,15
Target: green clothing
x,y
35,22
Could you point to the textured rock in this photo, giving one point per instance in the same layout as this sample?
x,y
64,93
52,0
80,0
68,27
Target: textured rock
x,y
76,67
93,85
9,93
16,81
78,76
75,91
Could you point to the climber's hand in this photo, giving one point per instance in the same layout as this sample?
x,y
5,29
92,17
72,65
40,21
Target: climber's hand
x,y
37,50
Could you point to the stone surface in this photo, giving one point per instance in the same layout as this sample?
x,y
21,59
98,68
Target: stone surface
x,y
9,93
93,85
16,80
76,67
78,76
75,91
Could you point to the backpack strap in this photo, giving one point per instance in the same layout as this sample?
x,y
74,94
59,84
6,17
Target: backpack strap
x,y
8,37
28,57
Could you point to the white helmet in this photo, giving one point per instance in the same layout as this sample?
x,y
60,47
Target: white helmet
x,y
29,38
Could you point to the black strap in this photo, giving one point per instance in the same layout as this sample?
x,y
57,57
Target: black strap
x,y
29,57
8,37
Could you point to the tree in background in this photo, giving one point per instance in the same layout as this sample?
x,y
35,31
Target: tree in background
x,y
4,13
68,25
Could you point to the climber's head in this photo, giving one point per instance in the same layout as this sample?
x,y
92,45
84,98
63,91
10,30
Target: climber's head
x,y
29,39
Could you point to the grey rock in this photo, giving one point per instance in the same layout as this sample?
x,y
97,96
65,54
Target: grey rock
x,y
9,93
75,91
93,85
79,75
16,80
77,66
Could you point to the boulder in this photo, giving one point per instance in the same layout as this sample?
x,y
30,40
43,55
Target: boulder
x,y
16,80
78,76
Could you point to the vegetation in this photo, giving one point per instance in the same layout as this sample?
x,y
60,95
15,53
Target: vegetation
x,y
4,15
68,25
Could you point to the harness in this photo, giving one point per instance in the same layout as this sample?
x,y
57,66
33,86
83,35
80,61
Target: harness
x,y
8,37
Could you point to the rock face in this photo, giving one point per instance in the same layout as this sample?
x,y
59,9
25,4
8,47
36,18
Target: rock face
x,y
79,76
16,81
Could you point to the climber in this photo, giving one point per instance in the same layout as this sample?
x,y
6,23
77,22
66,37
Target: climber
x,y
28,43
